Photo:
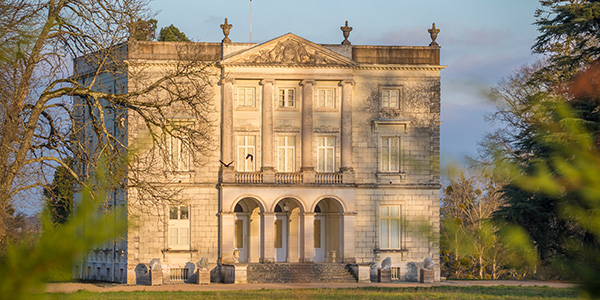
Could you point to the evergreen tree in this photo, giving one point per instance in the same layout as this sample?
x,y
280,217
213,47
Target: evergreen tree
x,y
59,195
172,34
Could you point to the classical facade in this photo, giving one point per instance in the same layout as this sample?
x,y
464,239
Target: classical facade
x,y
327,153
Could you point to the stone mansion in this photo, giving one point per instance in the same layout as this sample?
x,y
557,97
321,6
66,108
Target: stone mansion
x,y
325,154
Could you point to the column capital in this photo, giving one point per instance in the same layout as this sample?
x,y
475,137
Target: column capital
x,y
307,82
266,81
226,80
345,82
308,214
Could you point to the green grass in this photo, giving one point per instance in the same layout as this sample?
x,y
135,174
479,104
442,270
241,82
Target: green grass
x,y
473,292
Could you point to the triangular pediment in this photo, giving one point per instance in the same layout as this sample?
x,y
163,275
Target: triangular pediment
x,y
290,50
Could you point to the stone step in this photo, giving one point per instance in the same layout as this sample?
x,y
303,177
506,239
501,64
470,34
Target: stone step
x,y
298,272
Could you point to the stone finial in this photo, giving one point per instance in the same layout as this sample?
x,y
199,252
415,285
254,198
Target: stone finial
x,y
226,28
433,32
346,30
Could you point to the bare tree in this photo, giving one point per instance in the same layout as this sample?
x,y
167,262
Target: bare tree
x,y
69,88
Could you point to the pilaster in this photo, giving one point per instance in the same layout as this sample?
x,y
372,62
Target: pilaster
x,y
307,131
346,132
228,173
349,251
267,131
227,235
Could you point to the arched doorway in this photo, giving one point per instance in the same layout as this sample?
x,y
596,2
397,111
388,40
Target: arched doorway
x,y
247,235
328,231
287,230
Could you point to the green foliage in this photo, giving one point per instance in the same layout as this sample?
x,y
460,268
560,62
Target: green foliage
x,y
567,174
143,30
59,195
172,34
28,264
569,34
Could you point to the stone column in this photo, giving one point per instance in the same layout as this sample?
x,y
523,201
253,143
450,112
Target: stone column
x,y
309,237
228,173
346,134
267,131
349,253
227,236
268,241
308,169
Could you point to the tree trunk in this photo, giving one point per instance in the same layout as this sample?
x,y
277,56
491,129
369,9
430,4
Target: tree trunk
x,y
480,266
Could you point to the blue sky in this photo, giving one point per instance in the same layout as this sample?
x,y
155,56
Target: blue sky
x,y
482,41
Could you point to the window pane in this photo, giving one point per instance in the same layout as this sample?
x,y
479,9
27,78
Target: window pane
x,y
331,142
384,211
172,236
385,155
395,155
183,212
330,98
250,140
173,213
291,97
290,160
281,164
329,160
321,160
394,99
385,101
394,233
394,211
183,236
384,234
281,97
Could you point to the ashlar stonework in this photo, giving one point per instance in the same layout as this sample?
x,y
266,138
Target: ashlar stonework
x,y
325,153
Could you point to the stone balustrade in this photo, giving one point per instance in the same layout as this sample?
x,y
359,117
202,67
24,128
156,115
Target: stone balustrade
x,y
288,177
248,177
328,178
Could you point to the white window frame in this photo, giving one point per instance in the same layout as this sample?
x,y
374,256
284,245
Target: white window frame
x,y
325,152
286,153
390,97
287,97
244,94
179,155
179,227
246,144
386,155
323,97
387,220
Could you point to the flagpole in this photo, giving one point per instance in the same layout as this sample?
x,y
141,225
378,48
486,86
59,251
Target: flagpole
x,y
250,21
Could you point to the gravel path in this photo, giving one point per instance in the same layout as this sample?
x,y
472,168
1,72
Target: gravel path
x,y
108,287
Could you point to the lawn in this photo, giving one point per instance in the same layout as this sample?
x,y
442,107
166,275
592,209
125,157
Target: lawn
x,y
473,292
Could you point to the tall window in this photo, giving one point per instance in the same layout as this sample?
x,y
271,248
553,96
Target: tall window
x,y
326,154
179,227
326,98
286,151
389,98
390,154
389,227
179,155
287,97
246,96
246,153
